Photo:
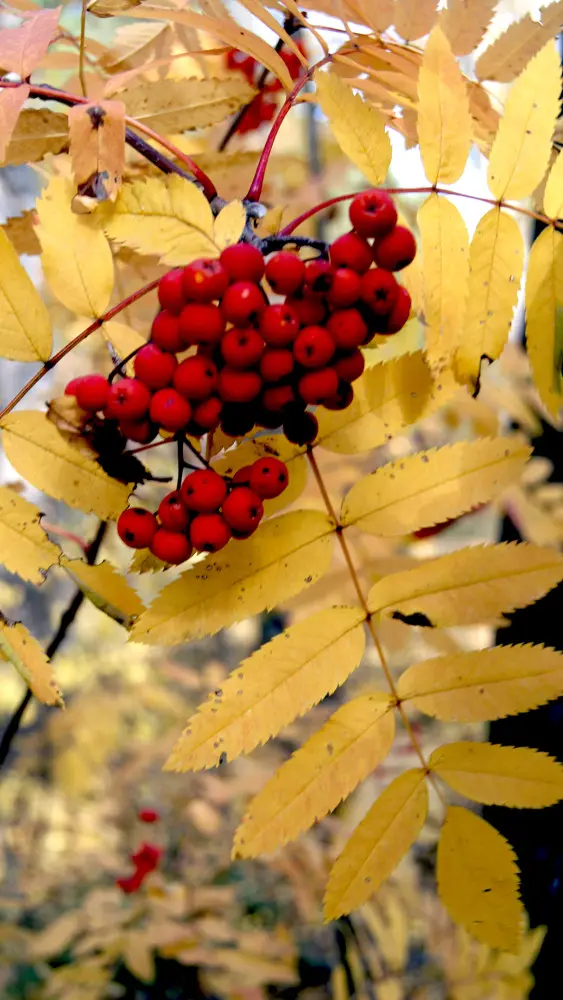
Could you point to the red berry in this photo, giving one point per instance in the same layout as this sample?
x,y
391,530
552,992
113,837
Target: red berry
x,y
279,325
203,491
240,61
300,427
396,250
165,332
172,512
276,363
342,397
345,288
242,475
243,262
205,280
209,532
136,527
269,477
314,387
132,883
128,399
309,309
350,366
208,413
237,420
201,323
237,386
242,347
277,397
171,546
242,303
147,857
154,367
243,510
171,291
91,391
314,347
399,313
347,328
373,213
140,431
285,272
379,290
318,276
196,377
351,250
148,816
170,410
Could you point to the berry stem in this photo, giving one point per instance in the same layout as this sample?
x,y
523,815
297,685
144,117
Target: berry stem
x,y
181,463
147,447
197,454
271,244
118,370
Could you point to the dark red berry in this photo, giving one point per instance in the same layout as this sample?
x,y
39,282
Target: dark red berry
x,y
396,250
318,276
136,527
170,410
203,491
373,213
205,280
165,332
350,366
285,272
309,309
276,363
342,397
269,419
268,477
148,816
399,313
140,431
243,262
171,546
237,420
314,347
238,60
209,532
379,290
208,413
91,391
154,367
351,250
347,328
314,387
345,288
171,291
300,427
173,513
128,399
242,303
131,883
201,323
242,347
243,510
196,377
279,325
277,397
238,386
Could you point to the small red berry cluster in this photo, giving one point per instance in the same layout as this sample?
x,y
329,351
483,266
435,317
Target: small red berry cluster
x,y
145,860
262,108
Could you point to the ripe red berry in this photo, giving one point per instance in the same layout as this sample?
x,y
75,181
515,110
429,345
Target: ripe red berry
x,y
279,325
206,415
205,280
173,513
269,418
238,60
238,386
242,303
203,491
136,527
243,262
316,386
171,291
131,883
350,366
277,397
128,399
396,250
195,377
148,816
351,250
242,347
345,288
300,427
285,272
399,313
314,347
342,397
171,546
309,309
209,532
269,477
347,328
201,323
170,410
276,363
91,391
318,276
242,475
154,367
243,510
379,290
165,332
140,431
373,213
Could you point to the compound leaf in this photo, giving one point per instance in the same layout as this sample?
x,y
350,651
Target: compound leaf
x,y
499,775
507,56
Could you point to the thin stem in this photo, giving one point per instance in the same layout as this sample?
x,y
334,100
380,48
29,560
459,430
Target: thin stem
x,y
118,370
180,453
81,51
197,453
147,447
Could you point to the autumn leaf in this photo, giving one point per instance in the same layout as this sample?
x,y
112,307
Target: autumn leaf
x,y
38,131
553,194
27,656
465,24
358,128
511,51
106,589
499,775
26,549
11,103
169,106
97,148
25,328
414,18
544,305
229,225
23,48
443,120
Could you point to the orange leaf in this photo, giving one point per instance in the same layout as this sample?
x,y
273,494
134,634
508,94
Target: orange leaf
x,y
11,103
22,49
97,147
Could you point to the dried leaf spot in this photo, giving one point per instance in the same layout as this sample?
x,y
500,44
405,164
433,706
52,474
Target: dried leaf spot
x,y
414,619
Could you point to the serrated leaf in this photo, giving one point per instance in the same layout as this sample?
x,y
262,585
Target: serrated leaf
x,y
507,56
169,106
318,776
275,445
553,194
97,149
11,103
21,232
432,486
358,128
27,656
443,121
378,844
496,260
286,555
471,585
229,224
168,217
522,145
478,880
485,685
25,328
23,48
76,257
37,132
499,775
279,682
25,548
445,269
106,589
465,23
42,456
544,303
414,18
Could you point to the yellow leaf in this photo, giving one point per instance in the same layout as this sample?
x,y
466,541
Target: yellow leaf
x,y
37,132
465,24
124,339
378,844
138,955
443,121
414,18
318,776
285,555
485,685
499,775
522,145
268,445
11,103
544,302
106,589
478,880
358,128
42,456
507,56
445,269
432,486
25,330
25,548
27,656
468,586
85,282
229,224
553,194
279,682
496,259
21,232
169,106
97,148
170,218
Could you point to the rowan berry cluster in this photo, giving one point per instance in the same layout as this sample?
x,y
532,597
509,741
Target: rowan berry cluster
x,y
263,107
144,861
